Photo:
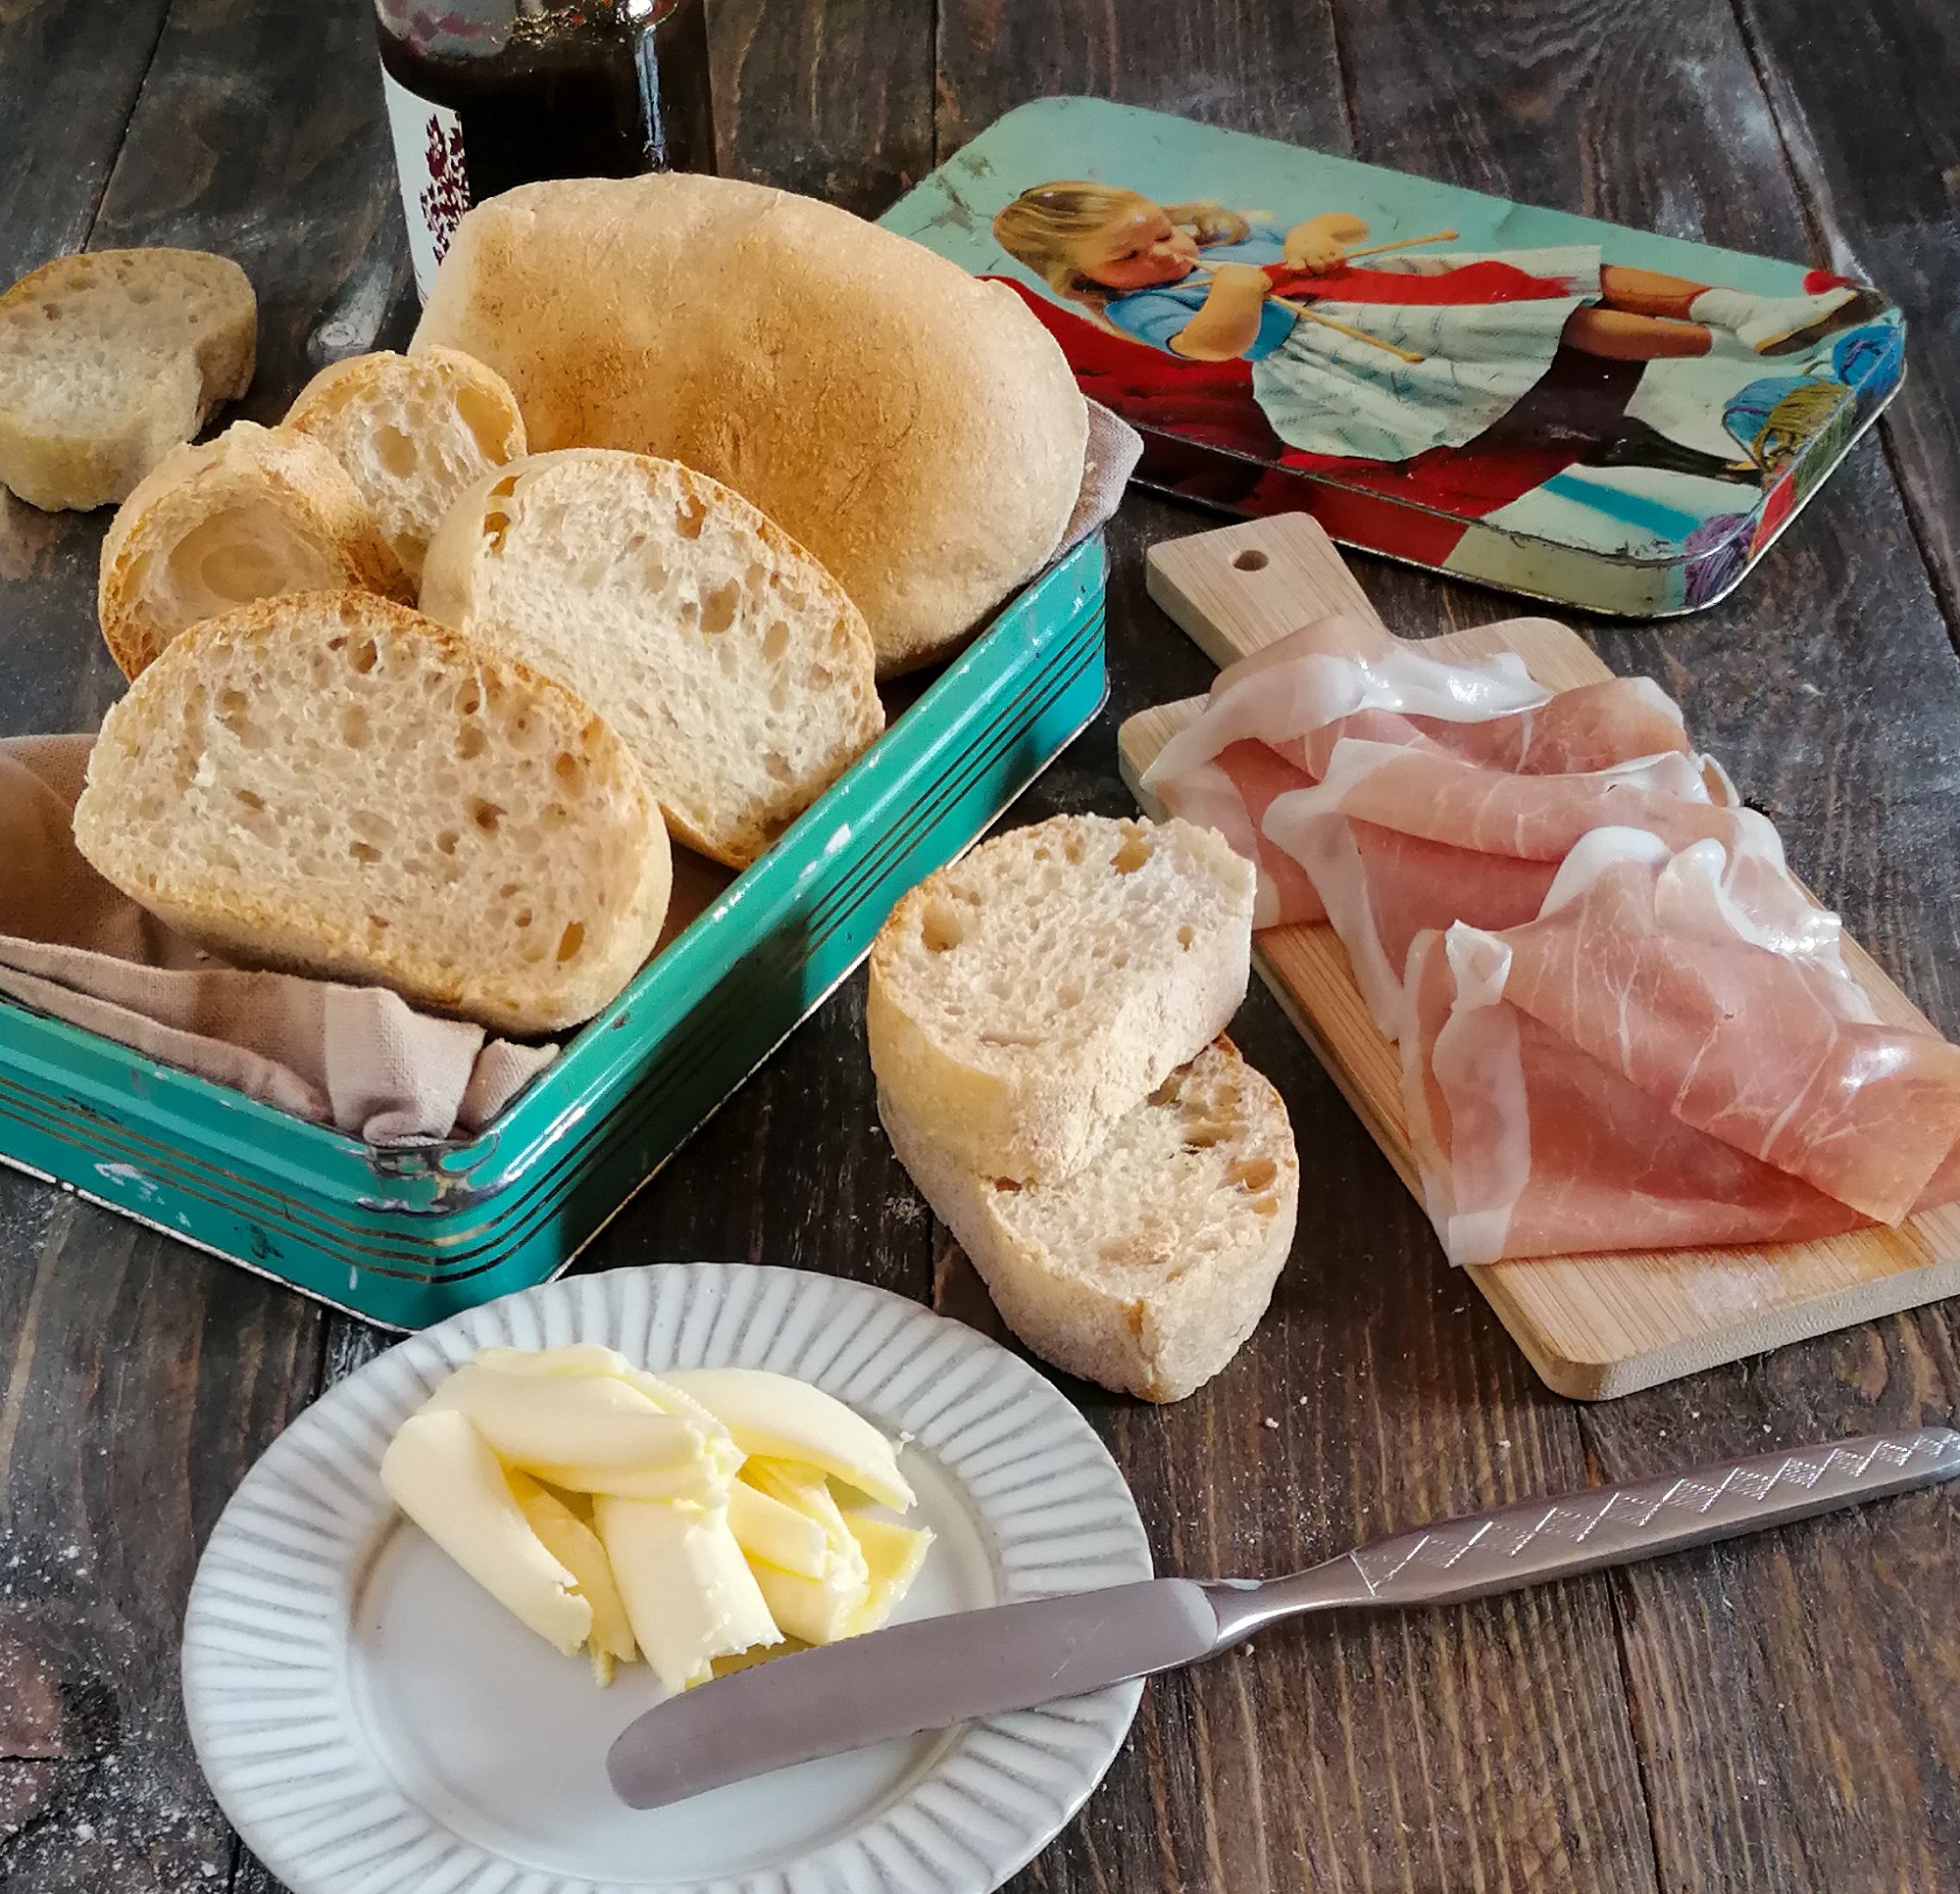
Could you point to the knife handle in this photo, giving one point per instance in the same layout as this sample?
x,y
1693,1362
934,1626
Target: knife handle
x,y
1521,1545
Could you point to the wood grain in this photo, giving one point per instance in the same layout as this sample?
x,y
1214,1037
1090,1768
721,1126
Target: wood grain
x,y
1875,152
1595,1327
836,100
1264,66
138,1383
72,75
1828,683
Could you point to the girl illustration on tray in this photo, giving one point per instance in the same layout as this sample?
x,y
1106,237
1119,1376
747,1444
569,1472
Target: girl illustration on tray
x,y
1385,357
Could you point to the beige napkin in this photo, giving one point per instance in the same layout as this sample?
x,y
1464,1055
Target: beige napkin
x,y
1115,447
358,1058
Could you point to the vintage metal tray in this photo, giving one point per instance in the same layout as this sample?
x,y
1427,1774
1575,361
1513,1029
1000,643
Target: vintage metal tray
x,y
406,1237
1540,402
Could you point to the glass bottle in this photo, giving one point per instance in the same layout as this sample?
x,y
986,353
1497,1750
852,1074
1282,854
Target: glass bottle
x,y
484,94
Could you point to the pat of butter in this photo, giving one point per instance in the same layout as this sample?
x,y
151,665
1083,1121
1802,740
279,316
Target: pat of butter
x,y
893,1555
815,1610
587,1432
767,1530
575,1546
441,1473
779,1419
591,1358
689,1592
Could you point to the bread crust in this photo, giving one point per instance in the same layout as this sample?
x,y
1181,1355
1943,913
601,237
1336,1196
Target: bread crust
x,y
1156,1309
261,474
1012,1104
917,429
182,329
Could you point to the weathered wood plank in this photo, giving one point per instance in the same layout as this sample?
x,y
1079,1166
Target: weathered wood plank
x,y
1826,686
834,100
1799,1721
1258,66
138,1380
72,75
1863,99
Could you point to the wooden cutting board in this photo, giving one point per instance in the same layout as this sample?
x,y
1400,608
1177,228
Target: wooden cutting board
x,y
1593,1326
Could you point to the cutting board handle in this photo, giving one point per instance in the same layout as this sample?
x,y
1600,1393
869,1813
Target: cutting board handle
x,y
1238,589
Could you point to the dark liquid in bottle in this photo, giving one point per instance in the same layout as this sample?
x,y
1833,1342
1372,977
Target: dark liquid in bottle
x,y
562,92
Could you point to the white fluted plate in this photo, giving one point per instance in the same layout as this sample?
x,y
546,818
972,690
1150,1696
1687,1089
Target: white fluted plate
x,y
373,1724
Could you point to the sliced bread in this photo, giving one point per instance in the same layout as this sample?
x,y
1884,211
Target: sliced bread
x,y
1148,1268
412,431
333,784
111,359
731,663
1025,998
255,513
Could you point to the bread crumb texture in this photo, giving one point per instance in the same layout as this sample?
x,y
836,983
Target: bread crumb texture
x,y
334,784
1146,1270
110,359
1026,997
1193,1172
257,512
729,662
412,431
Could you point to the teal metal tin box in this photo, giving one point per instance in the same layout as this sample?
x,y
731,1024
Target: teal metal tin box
x,y
408,1236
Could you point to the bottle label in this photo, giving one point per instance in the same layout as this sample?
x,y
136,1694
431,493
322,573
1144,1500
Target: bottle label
x,y
435,185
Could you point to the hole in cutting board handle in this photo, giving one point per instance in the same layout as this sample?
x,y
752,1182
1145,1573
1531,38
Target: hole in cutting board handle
x,y
1251,560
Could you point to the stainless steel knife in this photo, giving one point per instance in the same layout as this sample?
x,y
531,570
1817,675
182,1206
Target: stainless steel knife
x,y
946,1671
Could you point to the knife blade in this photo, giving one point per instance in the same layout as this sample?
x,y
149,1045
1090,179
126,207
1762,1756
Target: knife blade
x,y
946,1671
908,1679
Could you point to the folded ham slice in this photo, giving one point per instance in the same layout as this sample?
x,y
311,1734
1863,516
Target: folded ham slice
x,y
1672,1053
1397,839
1274,718
1252,742
1528,1147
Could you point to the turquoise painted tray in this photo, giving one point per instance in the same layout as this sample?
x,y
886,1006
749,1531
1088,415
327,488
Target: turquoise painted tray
x,y
409,1236
1544,403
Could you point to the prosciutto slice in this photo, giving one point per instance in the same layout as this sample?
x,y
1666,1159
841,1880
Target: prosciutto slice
x,y
1396,840
1275,719
1670,1052
1251,743
1527,1147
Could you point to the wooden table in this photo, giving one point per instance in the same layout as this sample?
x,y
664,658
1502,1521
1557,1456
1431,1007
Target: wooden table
x,y
1780,1716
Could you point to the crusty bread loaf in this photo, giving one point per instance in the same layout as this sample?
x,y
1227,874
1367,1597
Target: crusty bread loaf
x,y
255,513
729,662
1023,999
1147,1269
917,429
412,431
109,360
335,785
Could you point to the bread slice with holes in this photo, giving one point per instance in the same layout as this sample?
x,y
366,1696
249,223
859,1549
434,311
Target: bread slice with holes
x,y
333,784
731,663
1148,1268
412,431
1023,1000
111,359
255,513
